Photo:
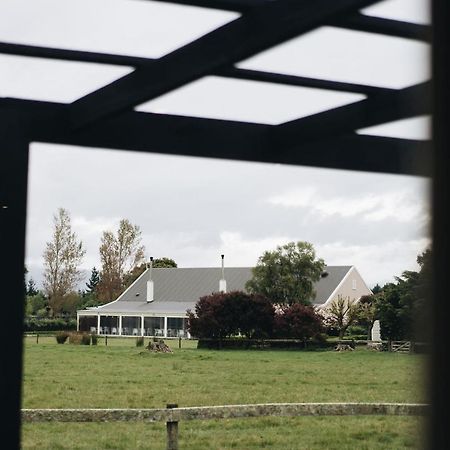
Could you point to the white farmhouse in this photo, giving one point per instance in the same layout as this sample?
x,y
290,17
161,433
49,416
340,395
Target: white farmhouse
x,y
156,303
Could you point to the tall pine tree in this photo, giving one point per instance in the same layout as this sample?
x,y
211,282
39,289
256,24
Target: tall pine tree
x,y
93,281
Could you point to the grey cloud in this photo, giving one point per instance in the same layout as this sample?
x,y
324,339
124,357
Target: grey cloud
x,y
183,205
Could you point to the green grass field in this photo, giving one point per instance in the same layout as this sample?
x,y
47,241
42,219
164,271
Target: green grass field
x,y
122,375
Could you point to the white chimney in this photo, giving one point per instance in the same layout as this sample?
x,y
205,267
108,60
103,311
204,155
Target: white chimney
x,y
150,283
223,282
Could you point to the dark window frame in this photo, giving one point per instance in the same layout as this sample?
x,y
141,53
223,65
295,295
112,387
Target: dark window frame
x,y
105,119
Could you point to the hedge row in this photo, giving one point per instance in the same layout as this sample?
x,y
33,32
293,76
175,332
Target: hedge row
x,y
76,337
295,344
45,324
217,344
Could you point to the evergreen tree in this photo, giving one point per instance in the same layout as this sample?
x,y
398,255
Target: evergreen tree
x,y
377,289
164,263
31,288
403,307
93,281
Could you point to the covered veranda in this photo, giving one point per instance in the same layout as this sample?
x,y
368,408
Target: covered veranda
x,y
132,325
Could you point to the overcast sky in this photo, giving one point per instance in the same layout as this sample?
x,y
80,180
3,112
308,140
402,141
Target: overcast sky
x,y
192,209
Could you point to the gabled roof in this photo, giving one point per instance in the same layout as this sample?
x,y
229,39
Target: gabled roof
x,y
327,284
178,289
186,284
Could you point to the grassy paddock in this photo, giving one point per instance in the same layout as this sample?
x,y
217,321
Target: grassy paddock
x,y
122,375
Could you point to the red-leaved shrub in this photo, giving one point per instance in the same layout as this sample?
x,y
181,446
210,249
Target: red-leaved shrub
x,y
298,321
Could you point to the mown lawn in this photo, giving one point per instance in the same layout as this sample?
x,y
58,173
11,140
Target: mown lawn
x,y
122,375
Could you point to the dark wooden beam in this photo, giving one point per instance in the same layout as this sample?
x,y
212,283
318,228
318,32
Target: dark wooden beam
x,y
225,5
379,25
190,136
356,21
293,80
386,107
138,131
13,202
231,72
268,25
362,153
438,388
73,55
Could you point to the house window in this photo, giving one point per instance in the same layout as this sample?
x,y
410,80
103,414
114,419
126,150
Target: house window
x,y
353,284
154,326
131,326
175,327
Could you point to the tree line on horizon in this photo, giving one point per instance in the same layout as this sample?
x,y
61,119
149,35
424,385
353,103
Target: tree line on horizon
x,y
284,276
121,258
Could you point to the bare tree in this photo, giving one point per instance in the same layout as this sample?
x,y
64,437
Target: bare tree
x,y
119,254
367,312
341,314
62,258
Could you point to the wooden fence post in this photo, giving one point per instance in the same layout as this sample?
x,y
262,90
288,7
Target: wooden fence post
x,y
179,342
37,338
172,431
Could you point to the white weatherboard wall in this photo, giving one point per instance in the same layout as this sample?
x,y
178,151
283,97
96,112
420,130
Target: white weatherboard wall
x,y
352,286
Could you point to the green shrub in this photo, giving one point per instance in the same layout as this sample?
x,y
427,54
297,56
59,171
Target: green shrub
x,y
61,337
94,339
75,338
320,338
356,330
356,337
85,339
221,315
294,344
38,324
140,341
297,321
79,338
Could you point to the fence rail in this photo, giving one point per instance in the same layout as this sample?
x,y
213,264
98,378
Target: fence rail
x,y
172,414
222,412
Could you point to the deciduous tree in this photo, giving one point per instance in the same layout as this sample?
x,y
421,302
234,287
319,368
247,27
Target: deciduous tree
x,y
367,312
36,305
62,258
341,313
222,315
119,253
298,321
287,274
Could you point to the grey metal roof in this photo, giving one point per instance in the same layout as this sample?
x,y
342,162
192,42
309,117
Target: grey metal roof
x,y
186,284
178,289
326,285
156,307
